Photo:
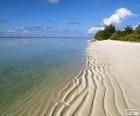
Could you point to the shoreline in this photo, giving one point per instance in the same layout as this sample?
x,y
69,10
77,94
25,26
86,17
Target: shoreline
x,y
100,84
27,82
105,84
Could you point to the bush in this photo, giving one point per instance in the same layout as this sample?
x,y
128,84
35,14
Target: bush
x,y
116,35
133,37
100,35
128,34
128,30
106,33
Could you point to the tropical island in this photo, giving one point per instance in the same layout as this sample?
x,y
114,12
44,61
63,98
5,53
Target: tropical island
x,y
126,34
50,66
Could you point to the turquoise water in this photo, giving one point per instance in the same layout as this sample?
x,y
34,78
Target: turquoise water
x,y
26,63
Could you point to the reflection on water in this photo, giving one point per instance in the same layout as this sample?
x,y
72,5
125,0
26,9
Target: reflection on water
x,y
29,62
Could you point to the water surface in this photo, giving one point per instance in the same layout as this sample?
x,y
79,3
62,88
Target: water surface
x,y
29,63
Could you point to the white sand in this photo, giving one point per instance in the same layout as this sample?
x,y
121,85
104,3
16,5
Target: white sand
x,y
124,62
108,84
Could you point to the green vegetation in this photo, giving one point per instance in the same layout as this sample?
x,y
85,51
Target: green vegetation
x,y
110,32
106,33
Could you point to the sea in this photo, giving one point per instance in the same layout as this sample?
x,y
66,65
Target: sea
x,y
31,69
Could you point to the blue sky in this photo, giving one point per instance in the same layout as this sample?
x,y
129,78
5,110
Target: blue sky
x,y
61,17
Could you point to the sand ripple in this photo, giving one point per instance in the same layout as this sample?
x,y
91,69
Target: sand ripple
x,y
95,91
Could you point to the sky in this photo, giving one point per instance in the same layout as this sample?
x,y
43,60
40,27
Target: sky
x,y
65,17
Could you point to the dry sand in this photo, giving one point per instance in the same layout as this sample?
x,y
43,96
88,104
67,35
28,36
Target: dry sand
x,y
108,84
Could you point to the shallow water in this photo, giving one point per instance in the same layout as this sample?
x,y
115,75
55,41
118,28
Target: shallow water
x,y
28,64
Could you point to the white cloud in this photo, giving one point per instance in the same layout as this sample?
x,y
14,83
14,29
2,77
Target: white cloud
x,y
53,1
119,15
11,31
95,29
40,31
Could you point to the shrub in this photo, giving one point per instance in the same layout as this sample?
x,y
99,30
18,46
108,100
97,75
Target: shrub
x,y
106,33
100,35
128,34
133,37
116,35
128,30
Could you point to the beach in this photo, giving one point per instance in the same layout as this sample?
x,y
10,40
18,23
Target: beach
x,y
69,58
106,85
32,68
101,79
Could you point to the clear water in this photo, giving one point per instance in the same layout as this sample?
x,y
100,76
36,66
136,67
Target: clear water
x,y
29,62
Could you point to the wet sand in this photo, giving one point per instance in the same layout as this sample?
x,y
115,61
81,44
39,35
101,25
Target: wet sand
x,y
107,85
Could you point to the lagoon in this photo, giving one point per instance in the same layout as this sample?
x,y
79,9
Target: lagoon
x,y
31,67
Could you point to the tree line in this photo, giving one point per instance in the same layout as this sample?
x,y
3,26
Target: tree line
x,y
127,34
